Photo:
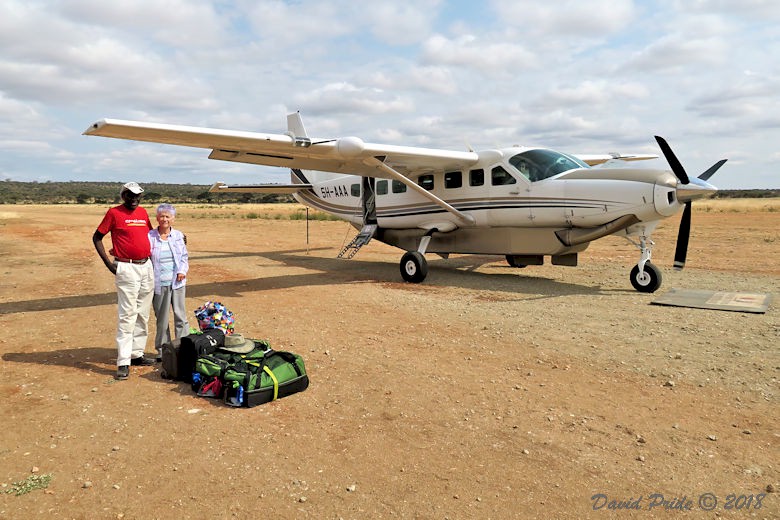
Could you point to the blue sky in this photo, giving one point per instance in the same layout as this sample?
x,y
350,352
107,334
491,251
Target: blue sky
x,y
579,76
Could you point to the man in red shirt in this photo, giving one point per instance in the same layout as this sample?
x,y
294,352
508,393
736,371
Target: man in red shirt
x,y
129,226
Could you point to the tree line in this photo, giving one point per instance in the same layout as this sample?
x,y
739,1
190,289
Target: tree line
x,y
78,192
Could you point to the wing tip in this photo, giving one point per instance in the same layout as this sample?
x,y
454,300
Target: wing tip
x,y
94,127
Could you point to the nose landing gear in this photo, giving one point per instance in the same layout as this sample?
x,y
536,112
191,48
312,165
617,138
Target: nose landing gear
x,y
645,276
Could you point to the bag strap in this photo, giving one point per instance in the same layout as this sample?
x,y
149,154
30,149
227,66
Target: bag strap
x,y
276,382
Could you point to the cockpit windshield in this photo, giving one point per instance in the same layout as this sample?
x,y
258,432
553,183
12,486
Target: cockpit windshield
x,y
540,164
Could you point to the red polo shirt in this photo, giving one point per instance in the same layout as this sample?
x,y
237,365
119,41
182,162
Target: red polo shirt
x,y
129,232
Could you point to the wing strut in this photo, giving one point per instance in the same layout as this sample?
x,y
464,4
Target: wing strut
x,y
373,161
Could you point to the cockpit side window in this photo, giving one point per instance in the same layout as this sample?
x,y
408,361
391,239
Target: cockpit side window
x,y
499,177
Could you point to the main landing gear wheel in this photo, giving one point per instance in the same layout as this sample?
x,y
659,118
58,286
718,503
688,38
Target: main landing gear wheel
x,y
414,267
649,281
512,261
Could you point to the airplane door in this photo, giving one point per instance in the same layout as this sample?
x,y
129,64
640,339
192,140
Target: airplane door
x,y
369,200
508,198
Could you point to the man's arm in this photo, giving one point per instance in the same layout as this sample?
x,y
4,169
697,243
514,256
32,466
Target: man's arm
x,y
97,240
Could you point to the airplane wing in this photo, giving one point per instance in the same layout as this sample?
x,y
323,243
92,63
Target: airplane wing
x,y
348,155
593,160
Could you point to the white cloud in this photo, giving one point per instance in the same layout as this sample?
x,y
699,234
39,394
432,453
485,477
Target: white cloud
x,y
438,80
566,18
399,23
182,24
594,93
486,56
347,98
764,10
675,53
585,76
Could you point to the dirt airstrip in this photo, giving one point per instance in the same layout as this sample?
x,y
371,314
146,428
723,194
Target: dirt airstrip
x,y
485,392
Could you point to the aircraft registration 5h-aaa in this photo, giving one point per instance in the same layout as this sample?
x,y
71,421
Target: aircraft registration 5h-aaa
x,y
521,203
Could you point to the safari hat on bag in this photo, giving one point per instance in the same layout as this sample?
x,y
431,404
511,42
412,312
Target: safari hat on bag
x,y
238,344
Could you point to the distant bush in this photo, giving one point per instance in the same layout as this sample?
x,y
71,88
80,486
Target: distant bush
x,y
746,194
77,192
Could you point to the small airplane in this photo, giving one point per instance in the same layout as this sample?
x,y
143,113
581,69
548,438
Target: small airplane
x,y
521,203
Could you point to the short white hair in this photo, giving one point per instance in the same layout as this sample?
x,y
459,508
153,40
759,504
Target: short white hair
x,y
166,208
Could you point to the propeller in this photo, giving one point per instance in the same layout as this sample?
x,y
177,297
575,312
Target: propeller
x,y
687,190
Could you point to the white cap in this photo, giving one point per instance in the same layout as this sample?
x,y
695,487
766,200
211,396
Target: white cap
x,y
133,187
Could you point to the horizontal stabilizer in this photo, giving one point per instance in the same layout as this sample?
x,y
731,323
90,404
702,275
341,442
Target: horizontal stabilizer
x,y
593,160
221,187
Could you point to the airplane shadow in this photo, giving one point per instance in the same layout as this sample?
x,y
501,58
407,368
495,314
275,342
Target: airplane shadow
x,y
91,359
97,360
454,272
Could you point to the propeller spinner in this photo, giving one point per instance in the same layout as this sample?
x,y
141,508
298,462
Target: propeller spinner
x,y
687,190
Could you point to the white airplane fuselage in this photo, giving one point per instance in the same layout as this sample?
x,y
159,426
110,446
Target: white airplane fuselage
x,y
517,218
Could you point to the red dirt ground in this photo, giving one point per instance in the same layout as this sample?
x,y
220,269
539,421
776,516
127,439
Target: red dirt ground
x,y
485,392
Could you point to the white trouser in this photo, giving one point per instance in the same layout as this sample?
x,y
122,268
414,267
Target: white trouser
x,y
134,289
165,301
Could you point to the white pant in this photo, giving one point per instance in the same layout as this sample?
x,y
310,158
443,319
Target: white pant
x,y
165,301
134,289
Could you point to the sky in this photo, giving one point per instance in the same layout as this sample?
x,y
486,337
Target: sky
x,y
579,76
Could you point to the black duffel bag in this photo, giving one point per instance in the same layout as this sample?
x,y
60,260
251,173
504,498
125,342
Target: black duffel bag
x,y
179,356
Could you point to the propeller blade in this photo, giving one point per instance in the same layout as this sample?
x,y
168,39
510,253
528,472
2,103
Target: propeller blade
x,y
677,168
715,167
681,251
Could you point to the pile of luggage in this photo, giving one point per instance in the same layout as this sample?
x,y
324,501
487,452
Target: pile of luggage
x,y
221,364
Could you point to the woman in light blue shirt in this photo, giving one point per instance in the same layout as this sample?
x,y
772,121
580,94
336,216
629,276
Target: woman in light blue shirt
x,y
171,263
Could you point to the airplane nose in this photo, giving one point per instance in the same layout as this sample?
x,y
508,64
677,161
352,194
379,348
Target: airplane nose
x,y
695,189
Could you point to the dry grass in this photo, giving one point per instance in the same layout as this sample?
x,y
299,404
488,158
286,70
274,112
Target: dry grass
x,y
292,211
771,205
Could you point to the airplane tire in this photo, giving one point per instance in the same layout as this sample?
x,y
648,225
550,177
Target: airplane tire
x,y
649,282
512,261
414,267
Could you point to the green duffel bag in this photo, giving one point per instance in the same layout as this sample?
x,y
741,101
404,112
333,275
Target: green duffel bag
x,y
253,382
214,364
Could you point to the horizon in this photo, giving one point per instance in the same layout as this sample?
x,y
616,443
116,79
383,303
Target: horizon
x,y
581,77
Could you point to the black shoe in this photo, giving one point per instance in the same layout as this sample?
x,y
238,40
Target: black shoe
x,y
122,372
142,361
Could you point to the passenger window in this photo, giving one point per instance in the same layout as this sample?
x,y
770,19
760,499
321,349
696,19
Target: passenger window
x,y
453,180
398,186
381,187
426,181
499,177
477,177
355,190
